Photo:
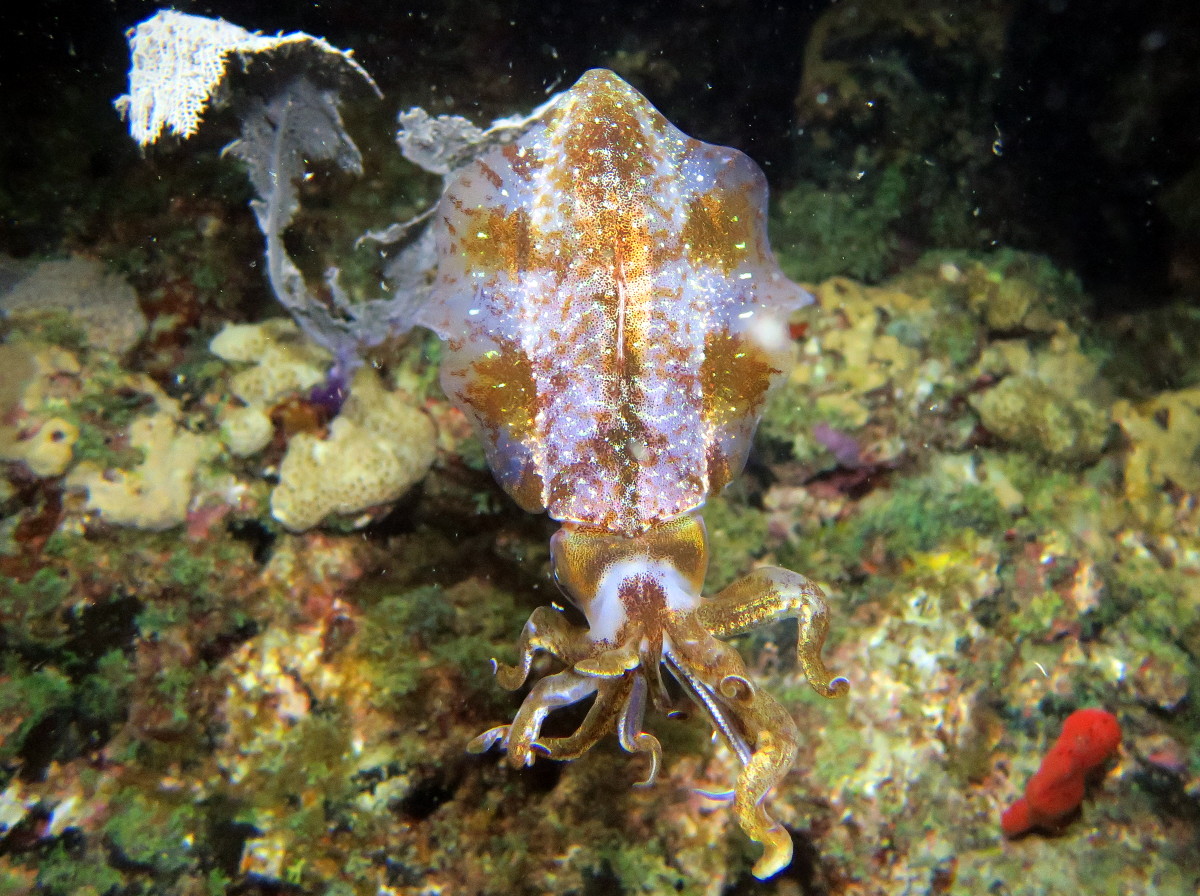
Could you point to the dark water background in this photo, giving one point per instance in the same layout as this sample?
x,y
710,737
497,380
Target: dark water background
x,y
1094,106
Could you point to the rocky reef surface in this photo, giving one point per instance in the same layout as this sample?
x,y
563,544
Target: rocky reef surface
x,y
246,636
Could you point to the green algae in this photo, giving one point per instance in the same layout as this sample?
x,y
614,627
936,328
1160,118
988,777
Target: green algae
x,y
955,336
57,327
33,608
153,832
737,534
65,871
104,694
638,867
409,636
29,696
1028,413
846,230
922,514
916,516
312,755
96,445
394,638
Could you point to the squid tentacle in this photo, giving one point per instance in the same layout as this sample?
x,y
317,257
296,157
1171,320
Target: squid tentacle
x,y
775,739
758,730
629,729
546,630
600,719
520,738
771,594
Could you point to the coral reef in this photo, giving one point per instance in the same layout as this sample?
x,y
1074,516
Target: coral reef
x,y
1026,410
377,447
46,451
281,361
157,493
226,705
1164,436
292,709
98,301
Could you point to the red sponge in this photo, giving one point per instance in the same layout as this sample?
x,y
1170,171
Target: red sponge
x,y
1089,738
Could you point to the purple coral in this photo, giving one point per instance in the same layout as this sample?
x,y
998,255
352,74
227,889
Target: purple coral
x,y
844,447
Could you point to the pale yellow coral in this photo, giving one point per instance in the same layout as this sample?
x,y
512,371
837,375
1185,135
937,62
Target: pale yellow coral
x,y
45,445
1164,437
378,446
246,430
155,494
284,360
869,359
47,451
1005,356
1052,399
1003,304
1025,411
